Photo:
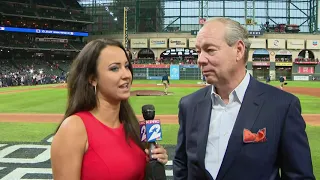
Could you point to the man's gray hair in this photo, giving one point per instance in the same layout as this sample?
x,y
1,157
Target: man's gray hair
x,y
235,31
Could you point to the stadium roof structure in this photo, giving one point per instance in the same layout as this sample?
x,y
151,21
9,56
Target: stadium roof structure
x,y
186,15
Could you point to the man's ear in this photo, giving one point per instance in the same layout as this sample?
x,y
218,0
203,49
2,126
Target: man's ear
x,y
93,81
240,46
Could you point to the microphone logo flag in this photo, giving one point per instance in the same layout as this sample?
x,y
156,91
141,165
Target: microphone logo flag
x,y
143,134
153,129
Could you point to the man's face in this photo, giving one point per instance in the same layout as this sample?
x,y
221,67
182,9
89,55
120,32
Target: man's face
x,y
216,58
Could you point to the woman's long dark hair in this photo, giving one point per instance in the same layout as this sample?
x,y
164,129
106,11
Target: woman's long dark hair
x,y
81,95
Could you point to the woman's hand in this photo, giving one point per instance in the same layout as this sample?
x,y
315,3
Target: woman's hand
x,y
158,153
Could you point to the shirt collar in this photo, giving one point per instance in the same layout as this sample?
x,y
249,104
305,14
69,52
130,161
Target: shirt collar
x,y
240,90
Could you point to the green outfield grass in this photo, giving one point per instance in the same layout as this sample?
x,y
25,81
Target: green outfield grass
x,y
172,81
50,100
14,88
36,101
313,136
54,101
308,84
312,84
25,132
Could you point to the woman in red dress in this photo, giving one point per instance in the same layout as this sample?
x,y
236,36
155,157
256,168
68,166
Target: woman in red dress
x,y
99,137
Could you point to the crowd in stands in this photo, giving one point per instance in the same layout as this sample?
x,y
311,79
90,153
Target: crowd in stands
x,y
32,59
18,68
65,15
24,60
22,67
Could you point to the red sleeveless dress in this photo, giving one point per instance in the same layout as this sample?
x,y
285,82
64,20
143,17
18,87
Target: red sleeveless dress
x,y
109,156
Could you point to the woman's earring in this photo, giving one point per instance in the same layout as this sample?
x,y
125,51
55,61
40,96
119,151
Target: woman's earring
x,y
95,89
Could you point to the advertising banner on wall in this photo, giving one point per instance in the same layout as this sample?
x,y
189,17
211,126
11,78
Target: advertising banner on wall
x,y
305,70
154,77
177,42
151,65
306,62
140,75
313,44
276,44
301,78
189,66
257,43
138,43
260,63
284,52
283,63
192,42
56,40
158,43
295,44
261,52
174,72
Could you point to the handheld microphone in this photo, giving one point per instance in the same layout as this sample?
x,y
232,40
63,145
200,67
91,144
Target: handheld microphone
x,y
154,170
152,126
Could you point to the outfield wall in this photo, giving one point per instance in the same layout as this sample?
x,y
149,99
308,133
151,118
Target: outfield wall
x,y
176,72
297,72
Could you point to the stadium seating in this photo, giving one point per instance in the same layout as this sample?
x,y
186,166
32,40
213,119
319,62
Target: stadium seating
x,y
54,13
72,5
51,3
16,8
20,1
172,60
28,56
55,9
36,55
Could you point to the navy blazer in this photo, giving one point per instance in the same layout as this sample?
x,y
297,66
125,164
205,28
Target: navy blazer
x,y
286,148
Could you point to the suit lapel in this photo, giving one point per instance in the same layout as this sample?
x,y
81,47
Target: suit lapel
x,y
247,115
202,120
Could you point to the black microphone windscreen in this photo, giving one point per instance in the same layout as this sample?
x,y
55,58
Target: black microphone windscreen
x,y
148,112
148,107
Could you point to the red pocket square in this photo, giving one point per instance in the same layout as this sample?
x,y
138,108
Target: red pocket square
x,y
249,137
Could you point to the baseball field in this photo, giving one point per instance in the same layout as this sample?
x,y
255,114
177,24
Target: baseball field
x,y
29,116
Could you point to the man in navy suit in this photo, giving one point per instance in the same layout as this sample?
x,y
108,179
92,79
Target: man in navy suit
x,y
238,128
